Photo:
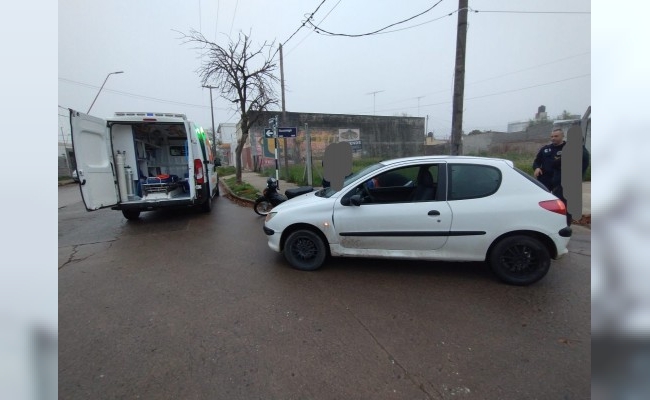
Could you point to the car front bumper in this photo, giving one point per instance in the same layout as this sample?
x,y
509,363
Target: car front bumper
x,y
273,238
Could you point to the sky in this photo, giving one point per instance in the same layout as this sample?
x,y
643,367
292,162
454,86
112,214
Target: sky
x,y
520,55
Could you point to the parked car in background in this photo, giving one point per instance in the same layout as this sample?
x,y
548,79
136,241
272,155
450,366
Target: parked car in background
x,y
446,208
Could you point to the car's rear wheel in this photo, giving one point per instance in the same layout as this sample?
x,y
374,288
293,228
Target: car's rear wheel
x,y
305,250
131,215
207,204
520,260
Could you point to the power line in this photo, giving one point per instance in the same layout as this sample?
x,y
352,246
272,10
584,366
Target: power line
x,y
382,31
216,23
141,96
304,22
491,94
420,24
320,30
529,12
488,79
529,68
310,32
233,18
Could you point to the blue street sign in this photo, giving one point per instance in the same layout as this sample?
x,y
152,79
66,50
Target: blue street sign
x,y
287,132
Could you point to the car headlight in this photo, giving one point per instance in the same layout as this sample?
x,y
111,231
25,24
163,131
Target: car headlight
x,y
269,216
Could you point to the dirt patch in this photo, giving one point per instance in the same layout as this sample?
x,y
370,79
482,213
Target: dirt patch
x,y
584,221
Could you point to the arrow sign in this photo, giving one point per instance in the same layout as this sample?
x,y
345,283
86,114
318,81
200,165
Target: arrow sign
x,y
268,132
287,132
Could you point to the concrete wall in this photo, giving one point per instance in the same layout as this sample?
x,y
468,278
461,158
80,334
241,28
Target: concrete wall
x,y
381,136
526,142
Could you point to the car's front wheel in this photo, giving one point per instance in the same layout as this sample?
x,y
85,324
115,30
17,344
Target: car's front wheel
x,y
520,260
305,250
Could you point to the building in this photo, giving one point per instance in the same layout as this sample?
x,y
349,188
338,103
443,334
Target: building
x,y
370,136
227,142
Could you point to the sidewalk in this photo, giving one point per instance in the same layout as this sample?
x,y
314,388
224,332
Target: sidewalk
x,y
259,182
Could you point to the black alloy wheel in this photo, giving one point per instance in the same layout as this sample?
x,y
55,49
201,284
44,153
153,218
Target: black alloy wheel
x,y
520,260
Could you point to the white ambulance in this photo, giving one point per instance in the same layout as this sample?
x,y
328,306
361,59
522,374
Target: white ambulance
x,y
141,161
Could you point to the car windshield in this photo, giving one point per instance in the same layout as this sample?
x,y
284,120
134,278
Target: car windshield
x,y
329,191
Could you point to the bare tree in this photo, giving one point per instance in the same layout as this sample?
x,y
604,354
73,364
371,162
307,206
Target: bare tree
x,y
243,75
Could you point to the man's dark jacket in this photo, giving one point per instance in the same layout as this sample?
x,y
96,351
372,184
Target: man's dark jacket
x,y
547,159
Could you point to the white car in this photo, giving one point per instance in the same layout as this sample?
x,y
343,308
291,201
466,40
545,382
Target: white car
x,y
446,208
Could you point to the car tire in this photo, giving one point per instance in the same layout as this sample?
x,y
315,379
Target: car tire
x,y
131,215
262,206
207,204
520,260
305,250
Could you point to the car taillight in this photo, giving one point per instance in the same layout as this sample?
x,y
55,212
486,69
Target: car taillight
x,y
555,206
198,170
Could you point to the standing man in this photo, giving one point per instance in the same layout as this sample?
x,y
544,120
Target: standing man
x,y
547,160
548,167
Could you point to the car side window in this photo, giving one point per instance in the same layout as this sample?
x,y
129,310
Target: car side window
x,y
470,181
400,185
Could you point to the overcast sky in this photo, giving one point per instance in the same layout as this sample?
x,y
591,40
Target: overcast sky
x,y
520,55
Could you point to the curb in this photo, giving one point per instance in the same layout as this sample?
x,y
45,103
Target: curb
x,y
229,194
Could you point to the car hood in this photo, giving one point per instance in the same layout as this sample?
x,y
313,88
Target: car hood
x,y
301,201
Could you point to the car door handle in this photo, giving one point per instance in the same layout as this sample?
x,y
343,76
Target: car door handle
x,y
433,212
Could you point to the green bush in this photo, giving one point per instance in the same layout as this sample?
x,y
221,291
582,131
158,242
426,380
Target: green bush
x,y
225,171
525,162
243,189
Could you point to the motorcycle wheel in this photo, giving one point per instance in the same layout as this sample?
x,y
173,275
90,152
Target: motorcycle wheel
x,y
262,206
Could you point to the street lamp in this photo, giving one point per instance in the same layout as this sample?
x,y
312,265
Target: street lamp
x,y
214,133
100,89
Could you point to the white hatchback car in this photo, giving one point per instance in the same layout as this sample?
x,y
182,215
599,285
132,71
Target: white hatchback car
x,y
446,208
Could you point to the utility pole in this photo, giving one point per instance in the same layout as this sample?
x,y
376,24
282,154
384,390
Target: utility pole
x,y
459,81
214,137
373,99
284,115
65,148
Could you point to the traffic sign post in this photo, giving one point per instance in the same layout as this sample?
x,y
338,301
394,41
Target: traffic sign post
x,y
273,122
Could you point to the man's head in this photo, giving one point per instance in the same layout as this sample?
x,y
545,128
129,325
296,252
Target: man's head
x,y
557,136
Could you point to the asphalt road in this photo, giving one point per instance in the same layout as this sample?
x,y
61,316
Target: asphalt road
x,y
187,305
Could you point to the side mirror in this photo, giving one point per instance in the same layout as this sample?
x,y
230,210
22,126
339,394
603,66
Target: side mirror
x,y
356,200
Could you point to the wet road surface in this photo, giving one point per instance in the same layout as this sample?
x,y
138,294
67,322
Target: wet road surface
x,y
187,305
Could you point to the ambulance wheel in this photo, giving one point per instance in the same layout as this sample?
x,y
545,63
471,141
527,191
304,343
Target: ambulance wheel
x,y
131,215
207,205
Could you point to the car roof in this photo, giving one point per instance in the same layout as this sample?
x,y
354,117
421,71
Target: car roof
x,y
446,158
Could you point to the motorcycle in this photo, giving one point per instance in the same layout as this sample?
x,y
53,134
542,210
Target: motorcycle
x,y
271,197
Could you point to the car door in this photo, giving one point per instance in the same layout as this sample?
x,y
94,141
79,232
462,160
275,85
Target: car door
x,y
395,221
479,213
93,157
